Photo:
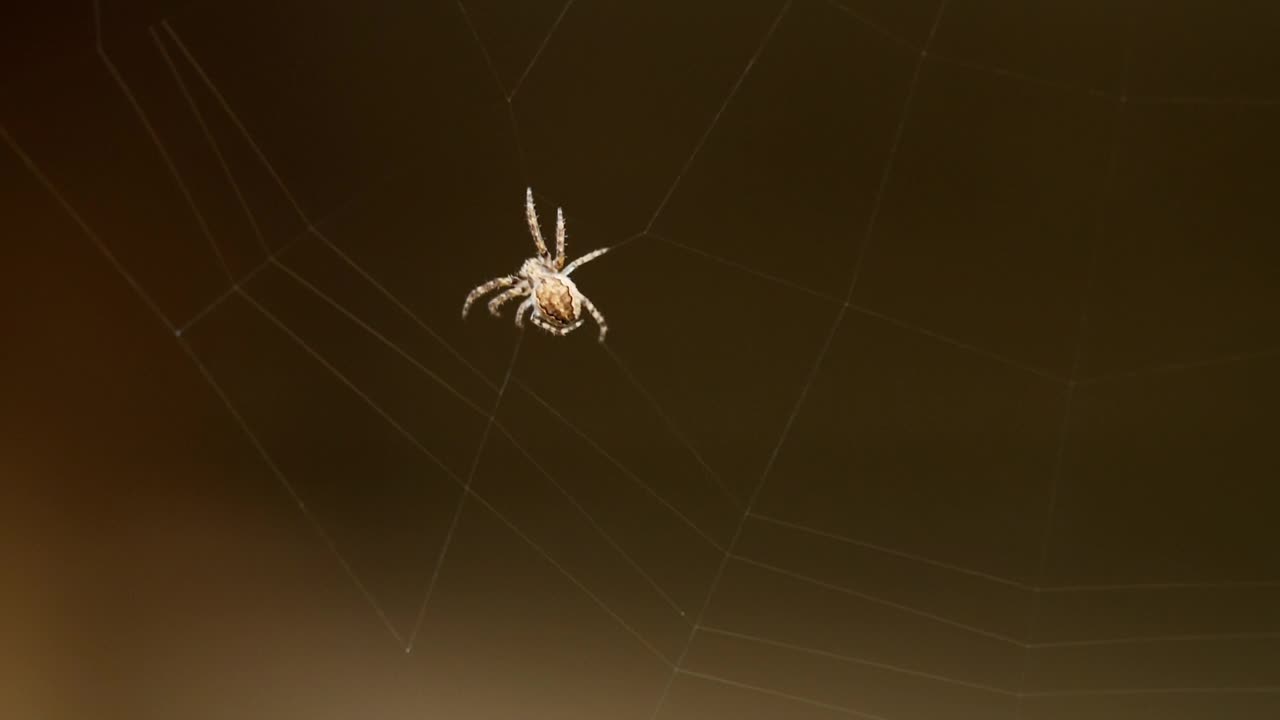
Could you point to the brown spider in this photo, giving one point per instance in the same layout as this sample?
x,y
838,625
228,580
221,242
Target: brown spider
x,y
543,281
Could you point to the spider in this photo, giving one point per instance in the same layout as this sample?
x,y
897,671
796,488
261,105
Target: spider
x,y
543,281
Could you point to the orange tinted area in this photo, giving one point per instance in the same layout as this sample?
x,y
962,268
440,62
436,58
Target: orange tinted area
x,y
556,302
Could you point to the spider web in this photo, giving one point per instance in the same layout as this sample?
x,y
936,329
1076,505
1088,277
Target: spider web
x,y
787,486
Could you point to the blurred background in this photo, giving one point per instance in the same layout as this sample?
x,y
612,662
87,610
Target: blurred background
x,y
940,383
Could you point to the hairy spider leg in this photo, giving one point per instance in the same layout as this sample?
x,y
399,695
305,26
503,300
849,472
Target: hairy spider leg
x,y
584,260
532,216
541,322
597,316
495,305
560,238
560,331
521,310
493,284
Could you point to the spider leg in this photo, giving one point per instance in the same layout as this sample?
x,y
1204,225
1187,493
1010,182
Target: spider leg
x,y
520,311
552,329
495,305
493,284
597,316
585,259
560,238
539,322
532,216
562,331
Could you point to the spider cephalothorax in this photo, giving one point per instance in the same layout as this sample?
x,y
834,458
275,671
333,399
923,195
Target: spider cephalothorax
x,y
552,301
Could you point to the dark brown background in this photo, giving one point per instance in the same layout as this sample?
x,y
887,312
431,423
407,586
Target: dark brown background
x,y
941,380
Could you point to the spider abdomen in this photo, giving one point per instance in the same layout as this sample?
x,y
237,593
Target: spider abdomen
x,y
555,299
